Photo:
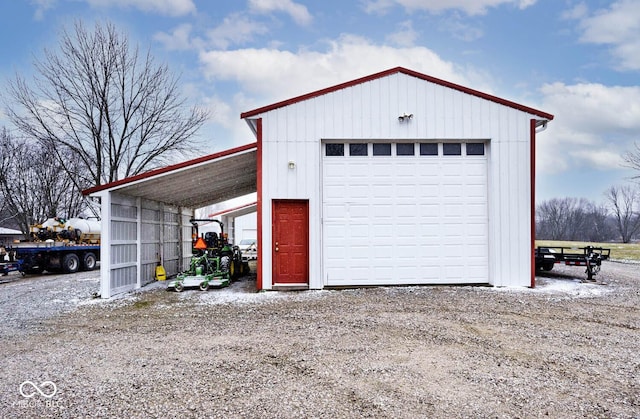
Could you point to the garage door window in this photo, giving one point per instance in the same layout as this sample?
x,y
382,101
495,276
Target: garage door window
x,y
405,149
382,149
475,149
428,149
452,149
334,150
359,149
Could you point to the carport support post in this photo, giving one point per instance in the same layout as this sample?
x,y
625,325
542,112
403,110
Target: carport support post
x,y
138,243
105,245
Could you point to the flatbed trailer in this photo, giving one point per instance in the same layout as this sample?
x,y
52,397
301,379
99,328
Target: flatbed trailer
x,y
55,256
590,257
6,267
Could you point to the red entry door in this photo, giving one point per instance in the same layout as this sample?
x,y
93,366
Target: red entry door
x,y
291,242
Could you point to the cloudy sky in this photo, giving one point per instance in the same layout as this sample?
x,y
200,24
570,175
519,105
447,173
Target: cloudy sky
x,y
579,60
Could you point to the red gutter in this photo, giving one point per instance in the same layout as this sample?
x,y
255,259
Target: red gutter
x,y
259,193
170,168
255,112
532,163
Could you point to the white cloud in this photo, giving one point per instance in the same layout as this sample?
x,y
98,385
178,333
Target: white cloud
x,y
405,36
179,39
270,75
163,7
299,13
619,27
593,126
455,25
470,7
41,7
235,29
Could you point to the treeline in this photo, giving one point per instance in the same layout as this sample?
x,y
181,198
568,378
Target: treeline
x,y
578,219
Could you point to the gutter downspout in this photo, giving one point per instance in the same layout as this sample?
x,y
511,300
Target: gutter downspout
x,y
533,125
536,126
259,272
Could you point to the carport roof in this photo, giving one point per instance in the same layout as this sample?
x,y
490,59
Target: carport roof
x,y
194,183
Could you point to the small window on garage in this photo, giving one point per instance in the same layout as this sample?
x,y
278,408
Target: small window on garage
x,y
475,149
405,149
382,149
452,149
358,149
428,149
334,150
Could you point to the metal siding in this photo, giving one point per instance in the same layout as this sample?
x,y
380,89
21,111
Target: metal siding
x,y
136,232
122,249
370,111
171,240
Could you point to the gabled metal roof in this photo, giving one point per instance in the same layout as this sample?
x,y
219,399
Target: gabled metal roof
x,y
194,183
256,112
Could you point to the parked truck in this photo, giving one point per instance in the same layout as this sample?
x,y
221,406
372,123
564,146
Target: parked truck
x,y
59,245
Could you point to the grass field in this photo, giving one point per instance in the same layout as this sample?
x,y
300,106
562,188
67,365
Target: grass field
x,y
619,251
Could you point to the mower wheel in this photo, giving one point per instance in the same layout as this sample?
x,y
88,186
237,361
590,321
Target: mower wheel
x,y
179,287
204,286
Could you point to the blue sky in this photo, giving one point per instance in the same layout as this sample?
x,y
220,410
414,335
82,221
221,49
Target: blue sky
x,y
579,60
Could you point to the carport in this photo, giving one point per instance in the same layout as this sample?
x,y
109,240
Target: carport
x,y
145,218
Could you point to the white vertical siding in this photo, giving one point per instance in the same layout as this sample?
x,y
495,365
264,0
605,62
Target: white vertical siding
x,y
370,111
134,234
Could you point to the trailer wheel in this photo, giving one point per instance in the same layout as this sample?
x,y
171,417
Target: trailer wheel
x,y
89,262
547,266
70,263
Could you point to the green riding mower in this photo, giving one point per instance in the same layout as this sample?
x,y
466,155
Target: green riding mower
x,y
214,262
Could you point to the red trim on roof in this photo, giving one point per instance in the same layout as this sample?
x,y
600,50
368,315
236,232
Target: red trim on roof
x,y
170,168
385,73
223,212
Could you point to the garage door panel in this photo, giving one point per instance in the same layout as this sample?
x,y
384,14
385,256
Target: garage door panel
x,y
425,219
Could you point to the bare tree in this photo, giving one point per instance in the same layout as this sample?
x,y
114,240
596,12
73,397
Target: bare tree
x,y
632,158
100,99
33,185
562,219
598,225
625,205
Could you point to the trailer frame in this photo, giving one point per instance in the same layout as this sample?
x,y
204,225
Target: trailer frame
x,y
589,256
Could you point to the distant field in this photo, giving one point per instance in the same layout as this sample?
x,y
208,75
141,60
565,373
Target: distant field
x,y
618,250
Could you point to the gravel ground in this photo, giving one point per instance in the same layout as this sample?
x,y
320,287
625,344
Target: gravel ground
x,y
564,349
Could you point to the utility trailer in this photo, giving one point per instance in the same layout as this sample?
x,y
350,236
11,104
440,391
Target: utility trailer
x,y
56,256
589,256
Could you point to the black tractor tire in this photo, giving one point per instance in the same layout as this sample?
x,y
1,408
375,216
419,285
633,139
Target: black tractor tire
x,y
70,263
89,262
233,272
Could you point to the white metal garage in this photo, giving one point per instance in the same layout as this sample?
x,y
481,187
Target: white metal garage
x,y
405,213
395,178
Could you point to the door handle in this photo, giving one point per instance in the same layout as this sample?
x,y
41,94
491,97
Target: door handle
x,y
277,248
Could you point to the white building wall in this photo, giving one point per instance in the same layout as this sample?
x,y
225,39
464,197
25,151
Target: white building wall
x,y
370,111
135,234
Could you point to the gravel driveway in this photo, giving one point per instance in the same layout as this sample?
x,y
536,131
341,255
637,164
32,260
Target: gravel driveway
x,y
564,349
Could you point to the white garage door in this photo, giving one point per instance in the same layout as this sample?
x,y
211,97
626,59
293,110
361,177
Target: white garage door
x,y
405,213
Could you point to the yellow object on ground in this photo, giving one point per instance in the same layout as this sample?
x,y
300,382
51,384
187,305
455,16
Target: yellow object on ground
x,y
161,274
